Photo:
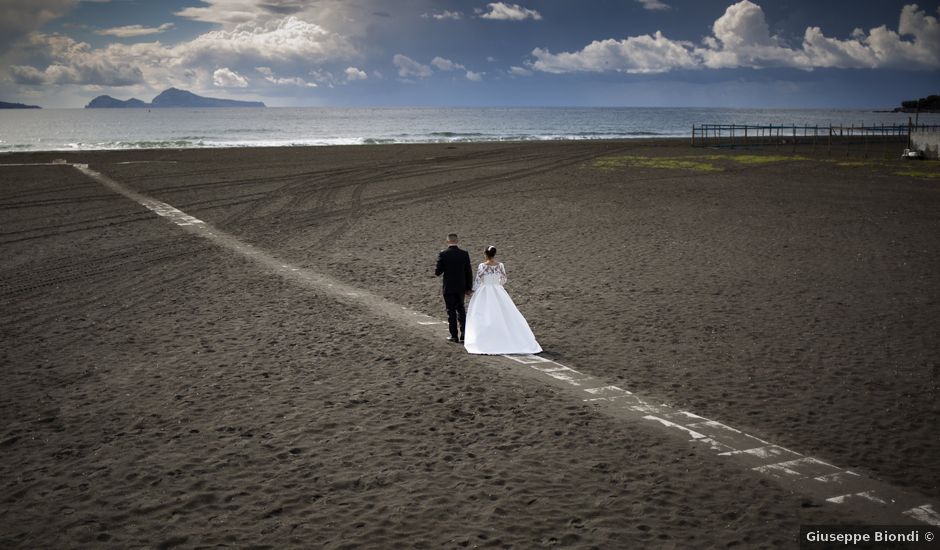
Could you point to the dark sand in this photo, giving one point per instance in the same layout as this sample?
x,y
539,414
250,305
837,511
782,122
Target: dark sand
x,y
161,392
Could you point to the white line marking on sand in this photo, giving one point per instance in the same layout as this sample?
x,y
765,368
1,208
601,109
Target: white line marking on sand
x,y
694,434
722,439
924,513
867,495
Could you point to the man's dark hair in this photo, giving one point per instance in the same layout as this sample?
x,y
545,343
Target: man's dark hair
x,y
452,237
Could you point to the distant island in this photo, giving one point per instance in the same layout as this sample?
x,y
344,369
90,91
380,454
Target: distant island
x,y
929,104
168,98
5,105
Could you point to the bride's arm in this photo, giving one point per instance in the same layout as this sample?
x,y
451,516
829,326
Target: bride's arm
x,y
478,279
502,274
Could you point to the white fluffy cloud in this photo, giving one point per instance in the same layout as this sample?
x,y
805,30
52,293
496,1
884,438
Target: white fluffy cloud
x,y
637,54
353,73
340,16
519,71
288,40
96,73
408,67
446,14
231,13
446,64
285,44
269,76
130,31
73,62
227,78
654,5
741,38
881,47
509,12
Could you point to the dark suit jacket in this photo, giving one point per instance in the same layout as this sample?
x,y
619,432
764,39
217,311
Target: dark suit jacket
x,y
454,264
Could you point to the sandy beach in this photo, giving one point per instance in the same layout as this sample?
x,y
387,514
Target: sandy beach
x,y
162,392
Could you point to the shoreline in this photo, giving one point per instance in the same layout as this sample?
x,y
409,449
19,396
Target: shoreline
x,y
640,139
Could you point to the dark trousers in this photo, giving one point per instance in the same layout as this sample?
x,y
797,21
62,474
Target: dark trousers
x,y
456,313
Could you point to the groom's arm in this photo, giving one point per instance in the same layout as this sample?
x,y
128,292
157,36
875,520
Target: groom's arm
x,y
468,271
440,265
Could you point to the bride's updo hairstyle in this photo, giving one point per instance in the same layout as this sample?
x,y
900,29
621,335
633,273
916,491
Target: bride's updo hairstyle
x,y
490,252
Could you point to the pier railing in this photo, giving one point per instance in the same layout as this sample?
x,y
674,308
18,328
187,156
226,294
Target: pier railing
x,y
884,138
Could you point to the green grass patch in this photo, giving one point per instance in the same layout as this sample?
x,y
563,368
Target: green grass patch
x,y
668,163
919,174
854,163
699,163
757,159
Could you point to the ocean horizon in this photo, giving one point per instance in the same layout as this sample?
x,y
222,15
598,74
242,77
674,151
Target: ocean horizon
x,y
122,129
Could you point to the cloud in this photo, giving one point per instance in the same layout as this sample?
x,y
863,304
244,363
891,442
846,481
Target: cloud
x,y
654,5
227,78
30,76
408,67
637,54
446,14
344,17
288,40
741,38
520,71
352,73
446,64
269,76
22,17
881,47
73,62
130,31
231,13
509,12
282,44
96,73
475,77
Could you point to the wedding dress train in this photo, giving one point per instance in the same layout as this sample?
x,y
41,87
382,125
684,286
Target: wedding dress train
x,y
494,324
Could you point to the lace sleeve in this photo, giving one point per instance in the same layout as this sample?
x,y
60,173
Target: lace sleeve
x,y
502,274
478,279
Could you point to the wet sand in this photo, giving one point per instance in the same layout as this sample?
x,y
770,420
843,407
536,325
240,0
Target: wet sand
x,y
162,392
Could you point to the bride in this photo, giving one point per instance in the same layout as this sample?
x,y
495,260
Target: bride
x,y
494,325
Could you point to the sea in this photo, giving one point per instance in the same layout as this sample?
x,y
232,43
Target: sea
x,y
107,129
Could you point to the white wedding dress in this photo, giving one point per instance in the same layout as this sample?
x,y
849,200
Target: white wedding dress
x,y
494,325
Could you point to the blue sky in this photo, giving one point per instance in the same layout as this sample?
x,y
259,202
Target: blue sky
x,y
790,53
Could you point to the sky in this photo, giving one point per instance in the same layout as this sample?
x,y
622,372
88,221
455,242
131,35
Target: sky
x,y
644,53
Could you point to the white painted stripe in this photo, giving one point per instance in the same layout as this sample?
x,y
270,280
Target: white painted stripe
x,y
924,513
776,468
835,477
868,495
768,451
527,359
668,424
713,424
605,389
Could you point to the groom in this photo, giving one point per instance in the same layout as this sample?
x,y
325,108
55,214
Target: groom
x,y
454,264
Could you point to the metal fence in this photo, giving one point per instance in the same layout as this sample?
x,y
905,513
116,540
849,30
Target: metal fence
x,y
866,140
